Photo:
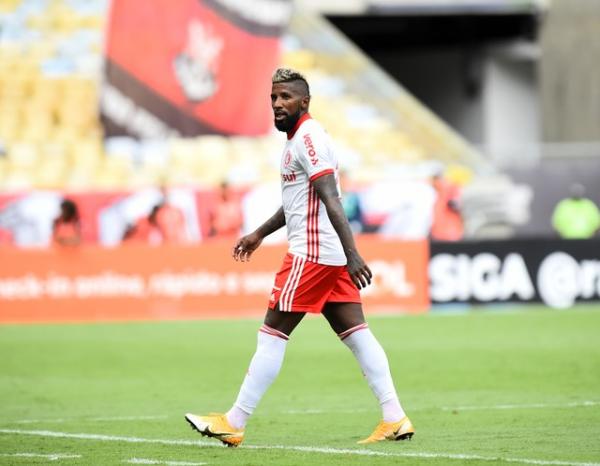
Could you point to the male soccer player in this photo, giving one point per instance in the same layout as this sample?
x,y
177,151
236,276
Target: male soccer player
x,y
321,273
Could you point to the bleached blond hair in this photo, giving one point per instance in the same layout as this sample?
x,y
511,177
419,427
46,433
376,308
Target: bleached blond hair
x,y
287,75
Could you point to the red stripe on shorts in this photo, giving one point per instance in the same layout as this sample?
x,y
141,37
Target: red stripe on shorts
x,y
287,293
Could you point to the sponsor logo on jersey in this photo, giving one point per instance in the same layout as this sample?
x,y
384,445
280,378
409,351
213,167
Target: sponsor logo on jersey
x,y
312,153
287,177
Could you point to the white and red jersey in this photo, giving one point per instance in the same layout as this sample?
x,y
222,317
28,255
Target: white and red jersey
x,y
309,154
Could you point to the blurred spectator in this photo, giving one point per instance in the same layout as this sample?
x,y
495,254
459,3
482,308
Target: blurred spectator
x,y
259,202
447,223
410,210
576,217
66,229
226,217
171,222
351,204
145,230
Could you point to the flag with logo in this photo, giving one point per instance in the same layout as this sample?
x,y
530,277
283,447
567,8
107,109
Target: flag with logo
x,y
191,67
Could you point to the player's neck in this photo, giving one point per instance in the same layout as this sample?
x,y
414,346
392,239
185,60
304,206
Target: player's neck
x,y
302,119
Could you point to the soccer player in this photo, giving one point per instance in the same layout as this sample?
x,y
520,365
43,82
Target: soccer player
x,y
321,273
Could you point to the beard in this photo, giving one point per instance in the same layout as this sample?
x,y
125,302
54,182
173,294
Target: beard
x,y
288,123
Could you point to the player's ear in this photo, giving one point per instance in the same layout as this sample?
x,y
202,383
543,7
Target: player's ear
x,y
305,102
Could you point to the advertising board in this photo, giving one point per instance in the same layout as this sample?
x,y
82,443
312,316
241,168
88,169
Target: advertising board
x,y
555,272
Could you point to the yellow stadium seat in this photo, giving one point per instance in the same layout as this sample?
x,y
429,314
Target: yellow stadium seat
x,y
42,22
300,59
4,167
23,154
66,134
9,129
42,50
8,6
85,151
16,88
92,21
459,174
50,174
17,179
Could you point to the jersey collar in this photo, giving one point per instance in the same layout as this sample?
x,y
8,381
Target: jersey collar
x,y
301,120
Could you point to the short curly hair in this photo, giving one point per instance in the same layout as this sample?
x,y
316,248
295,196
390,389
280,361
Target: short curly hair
x,y
287,75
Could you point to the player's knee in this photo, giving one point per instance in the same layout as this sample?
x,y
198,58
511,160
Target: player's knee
x,y
344,316
284,322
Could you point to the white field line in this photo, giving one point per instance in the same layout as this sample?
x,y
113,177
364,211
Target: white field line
x,y
48,456
107,438
575,404
168,463
92,419
305,449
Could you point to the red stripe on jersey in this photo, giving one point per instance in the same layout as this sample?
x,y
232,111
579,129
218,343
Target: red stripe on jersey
x,y
316,226
327,171
312,226
308,204
345,334
309,220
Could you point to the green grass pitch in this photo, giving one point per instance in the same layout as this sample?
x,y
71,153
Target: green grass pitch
x,y
503,387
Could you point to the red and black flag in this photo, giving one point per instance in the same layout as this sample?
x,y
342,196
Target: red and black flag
x,y
191,67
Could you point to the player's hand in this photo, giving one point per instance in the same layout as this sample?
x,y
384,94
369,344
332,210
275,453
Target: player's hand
x,y
360,273
245,246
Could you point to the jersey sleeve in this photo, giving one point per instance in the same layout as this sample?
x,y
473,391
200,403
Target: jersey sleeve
x,y
315,155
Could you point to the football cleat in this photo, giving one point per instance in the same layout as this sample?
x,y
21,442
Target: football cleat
x,y
216,425
401,430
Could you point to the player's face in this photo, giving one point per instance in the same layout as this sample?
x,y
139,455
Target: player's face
x,y
289,104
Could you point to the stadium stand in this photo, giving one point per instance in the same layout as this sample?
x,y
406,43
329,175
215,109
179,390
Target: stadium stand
x,y
50,76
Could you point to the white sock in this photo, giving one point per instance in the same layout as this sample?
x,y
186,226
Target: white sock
x,y
375,368
263,370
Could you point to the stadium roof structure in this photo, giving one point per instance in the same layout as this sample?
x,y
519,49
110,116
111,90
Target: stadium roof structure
x,y
330,53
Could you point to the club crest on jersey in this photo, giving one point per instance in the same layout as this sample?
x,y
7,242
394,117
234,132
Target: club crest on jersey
x,y
312,153
287,159
287,177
